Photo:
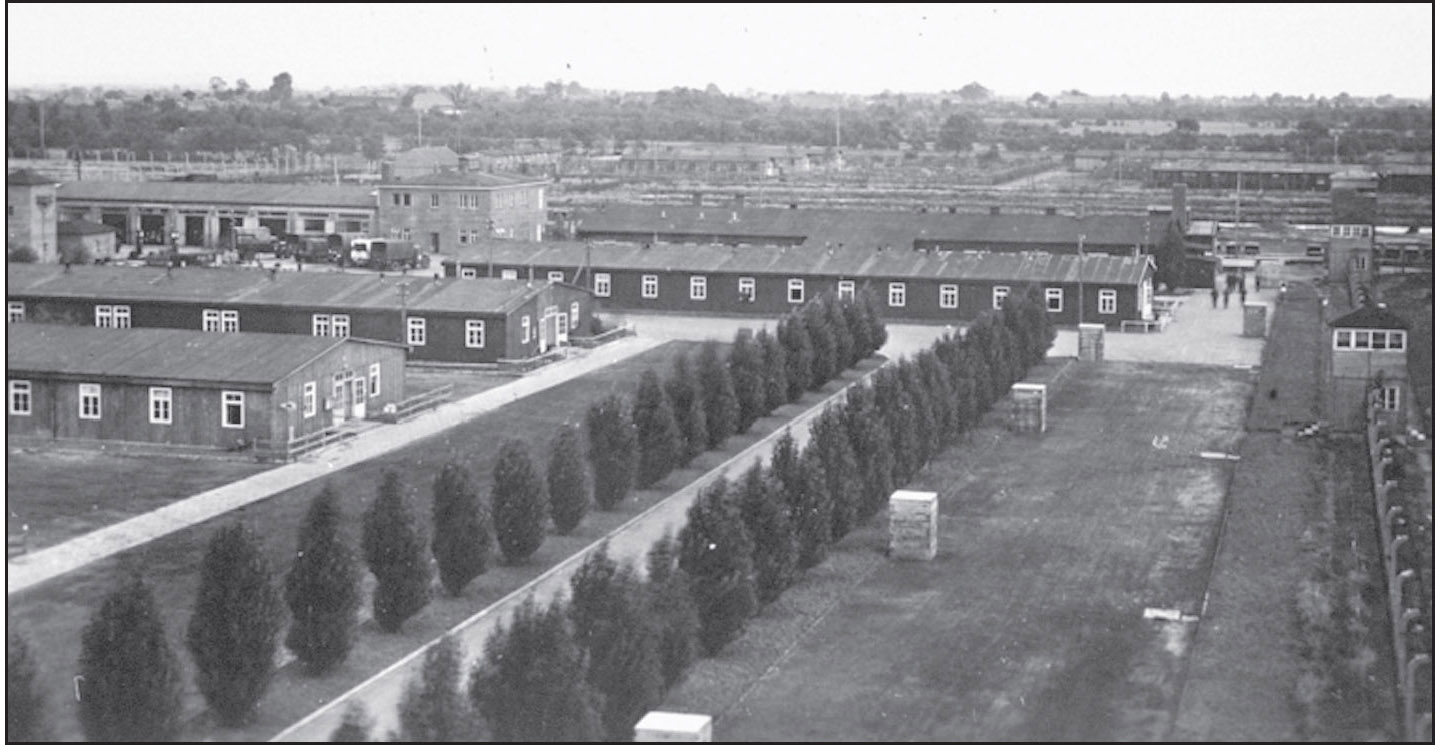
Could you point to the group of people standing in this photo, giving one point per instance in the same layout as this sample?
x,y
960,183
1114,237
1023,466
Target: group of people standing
x,y
1236,283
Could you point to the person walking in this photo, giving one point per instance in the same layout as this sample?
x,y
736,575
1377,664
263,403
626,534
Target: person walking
x,y
1243,295
1215,295
1226,298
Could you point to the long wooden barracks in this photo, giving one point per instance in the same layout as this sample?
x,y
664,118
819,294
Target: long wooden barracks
x,y
918,285
185,387
437,319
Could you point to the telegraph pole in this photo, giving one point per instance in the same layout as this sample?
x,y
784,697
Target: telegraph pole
x,y
1080,284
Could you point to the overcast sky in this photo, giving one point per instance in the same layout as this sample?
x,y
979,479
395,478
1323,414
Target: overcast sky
x,y
1013,49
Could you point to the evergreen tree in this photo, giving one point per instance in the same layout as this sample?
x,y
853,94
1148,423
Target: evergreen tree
x,y
322,588
612,450
798,346
234,631
129,683
433,709
745,361
462,531
355,726
824,349
520,502
687,400
796,483
24,704
774,546
719,400
659,442
844,352
716,553
774,370
839,479
876,327
861,331
394,552
612,624
869,440
568,489
925,413
942,396
671,606
532,684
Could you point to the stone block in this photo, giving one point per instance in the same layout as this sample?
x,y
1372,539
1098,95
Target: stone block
x,y
913,525
673,727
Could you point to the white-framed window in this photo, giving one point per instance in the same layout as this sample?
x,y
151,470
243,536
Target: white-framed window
x,y
341,324
1388,398
21,398
323,326
211,320
747,289
846,290
947,296
161,405
232,409
112,317
1360,262
467,201
1381,340
473,333
650,286
555,275
468,273
698,288
508,274
15,311
403,199
375,374
897,294
433,201
602,284
1054,300
418,332
89,401
527,325
336,391
311,399
999,296
796,291
574,312
1106,301
229,321
359,389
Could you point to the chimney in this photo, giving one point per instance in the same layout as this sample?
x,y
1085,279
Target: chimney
x,y
739,200
951,209
463,164
697,199
996,209
792,205
1050,211
386,171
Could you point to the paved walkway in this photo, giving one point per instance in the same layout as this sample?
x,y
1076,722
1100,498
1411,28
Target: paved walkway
x,y
381,693
31,569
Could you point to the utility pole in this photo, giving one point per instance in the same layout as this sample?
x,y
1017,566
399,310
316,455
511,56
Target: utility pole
x,y
1080,284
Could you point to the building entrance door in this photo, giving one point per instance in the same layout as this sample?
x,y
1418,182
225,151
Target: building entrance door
x,y
562,329
360,399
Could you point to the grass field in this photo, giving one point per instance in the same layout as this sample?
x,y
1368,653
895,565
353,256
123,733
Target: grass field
x,y
465,382
51,615
1029,624
61,494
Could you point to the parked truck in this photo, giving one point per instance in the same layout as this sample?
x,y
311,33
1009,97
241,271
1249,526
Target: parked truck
x,y
251,241
384,253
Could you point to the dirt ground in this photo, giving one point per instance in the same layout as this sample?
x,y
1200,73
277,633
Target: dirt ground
x,y
1029,625
61,494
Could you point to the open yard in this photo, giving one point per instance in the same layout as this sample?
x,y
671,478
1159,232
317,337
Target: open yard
x,y
1029,625
60,494
51,615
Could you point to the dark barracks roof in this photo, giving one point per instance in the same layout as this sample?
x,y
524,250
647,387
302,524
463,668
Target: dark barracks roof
x,y
1370,317
805,260
161,354
477,179
235,286
872,228
221,193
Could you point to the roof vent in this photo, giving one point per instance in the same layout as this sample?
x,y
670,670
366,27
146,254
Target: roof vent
x,y
996,209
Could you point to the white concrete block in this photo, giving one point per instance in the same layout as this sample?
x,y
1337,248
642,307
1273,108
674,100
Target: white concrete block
x,y
913,525
673,727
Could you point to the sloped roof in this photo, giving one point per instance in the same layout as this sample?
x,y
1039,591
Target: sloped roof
x,y
871,228
805,260
161,354
28,177
229,193
453,178
246,287
1370,317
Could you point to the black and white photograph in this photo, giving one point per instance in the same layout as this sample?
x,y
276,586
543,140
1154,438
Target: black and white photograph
x,y
718,372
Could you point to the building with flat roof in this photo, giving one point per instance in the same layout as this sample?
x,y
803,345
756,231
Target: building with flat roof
x,y
438,320
910,284
189,388
445,210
